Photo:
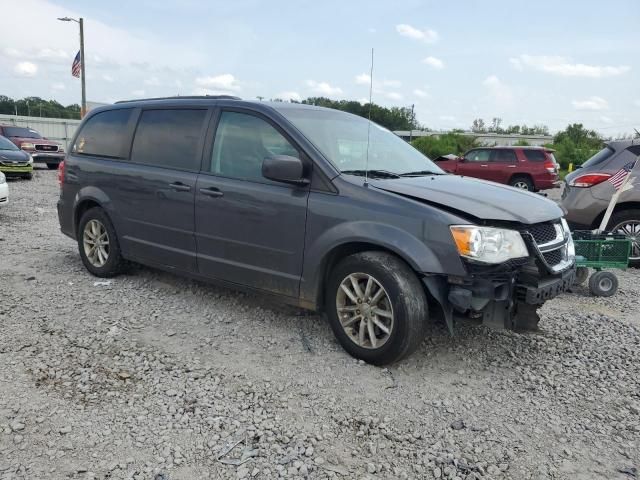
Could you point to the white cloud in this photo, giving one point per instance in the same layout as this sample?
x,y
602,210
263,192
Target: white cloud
x,y
26,69
363,79
53,54
427,36
562,66
12,53
637,103
289,96
500,92
448,118
434,62
591,103
607,120
152,81
391,83
58,86
420,93
220,83
138,93
392,95
107,78
323,88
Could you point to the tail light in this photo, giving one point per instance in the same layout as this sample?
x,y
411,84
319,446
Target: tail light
x,y
589,180
550,166
61,173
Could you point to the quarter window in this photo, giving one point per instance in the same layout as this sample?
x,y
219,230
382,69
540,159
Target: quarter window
x,y
169,138
104,134
534,155
241,144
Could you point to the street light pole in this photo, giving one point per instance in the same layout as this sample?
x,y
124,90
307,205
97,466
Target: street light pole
x,y
83,107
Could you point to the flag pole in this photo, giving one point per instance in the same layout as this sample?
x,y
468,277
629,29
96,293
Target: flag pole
x,y
83,109
626,185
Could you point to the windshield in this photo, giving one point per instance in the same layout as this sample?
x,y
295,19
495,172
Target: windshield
x,y
599,157
6,144
20,132
342,138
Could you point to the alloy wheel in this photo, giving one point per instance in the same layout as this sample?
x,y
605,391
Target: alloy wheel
x,y
364,310
631,228
95,241
521,185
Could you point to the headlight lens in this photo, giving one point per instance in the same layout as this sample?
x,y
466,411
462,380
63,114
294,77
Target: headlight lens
x,y
571,247
60,148
487,244
27,146
3,179
30,158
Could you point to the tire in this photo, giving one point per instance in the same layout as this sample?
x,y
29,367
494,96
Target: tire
x,y
523,183
582,273
603,284
402,296
97,265
53,166
28,176
628,223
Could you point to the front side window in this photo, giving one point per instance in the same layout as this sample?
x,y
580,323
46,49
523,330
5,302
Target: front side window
x,y
169,138
242,143
482,156
104,134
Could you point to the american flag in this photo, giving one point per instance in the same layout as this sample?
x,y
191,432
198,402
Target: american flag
x,y
75,67
619,177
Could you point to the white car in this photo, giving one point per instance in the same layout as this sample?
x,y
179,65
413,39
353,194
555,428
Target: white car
x,y
4,190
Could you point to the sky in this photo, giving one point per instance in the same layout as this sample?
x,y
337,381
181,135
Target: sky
x,y
543,62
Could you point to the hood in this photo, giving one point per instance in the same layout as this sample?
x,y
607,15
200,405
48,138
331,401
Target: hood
x,y
39,141
13,156
478,198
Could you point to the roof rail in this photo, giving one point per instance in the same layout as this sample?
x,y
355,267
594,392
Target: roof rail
x,y
186,97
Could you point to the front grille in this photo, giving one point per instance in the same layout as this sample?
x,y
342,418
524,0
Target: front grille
x,y
554,257
47,148
543,232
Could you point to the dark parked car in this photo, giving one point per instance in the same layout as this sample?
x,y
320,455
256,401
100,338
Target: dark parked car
x,y
528,168
41,149
294,201
13,161
587,193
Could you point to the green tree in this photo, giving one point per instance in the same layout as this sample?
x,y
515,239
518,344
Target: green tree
x,y
575,144
36,107
434,146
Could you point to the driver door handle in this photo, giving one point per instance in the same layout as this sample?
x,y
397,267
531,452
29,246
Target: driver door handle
x,y
179,187
211,192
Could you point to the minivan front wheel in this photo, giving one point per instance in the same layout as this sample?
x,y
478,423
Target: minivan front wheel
x,y
377,307
98,244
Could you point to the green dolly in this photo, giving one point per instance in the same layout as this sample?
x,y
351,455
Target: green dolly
x,y
599,251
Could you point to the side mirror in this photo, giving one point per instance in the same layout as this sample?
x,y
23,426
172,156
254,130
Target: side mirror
x,y
284,168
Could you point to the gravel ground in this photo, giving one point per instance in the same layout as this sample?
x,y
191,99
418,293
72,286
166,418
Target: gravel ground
x,y
151,376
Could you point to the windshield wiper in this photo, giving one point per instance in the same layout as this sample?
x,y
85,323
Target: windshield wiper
x,y
420,173
372,173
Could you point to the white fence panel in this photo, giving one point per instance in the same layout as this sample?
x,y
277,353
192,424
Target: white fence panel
x,y
58,129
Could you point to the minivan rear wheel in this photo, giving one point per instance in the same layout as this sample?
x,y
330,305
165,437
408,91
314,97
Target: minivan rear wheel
x,y
377,307
627,222
98,244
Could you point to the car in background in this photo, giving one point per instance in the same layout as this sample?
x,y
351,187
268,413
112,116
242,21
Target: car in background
x,y
41,149
13,161
4,190
527,168
586,194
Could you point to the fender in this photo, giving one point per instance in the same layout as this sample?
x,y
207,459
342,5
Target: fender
x,y
97,195
420,256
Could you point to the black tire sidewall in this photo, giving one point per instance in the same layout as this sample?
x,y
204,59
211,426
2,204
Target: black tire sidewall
x,y
594,286
582,273
113,266
527,180
410,317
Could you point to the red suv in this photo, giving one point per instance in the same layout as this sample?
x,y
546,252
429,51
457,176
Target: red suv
x,y
528,168
41,149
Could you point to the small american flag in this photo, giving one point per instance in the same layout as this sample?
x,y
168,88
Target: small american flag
x,y
619,177
75,66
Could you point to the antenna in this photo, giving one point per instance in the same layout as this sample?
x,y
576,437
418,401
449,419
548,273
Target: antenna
x,y
366,165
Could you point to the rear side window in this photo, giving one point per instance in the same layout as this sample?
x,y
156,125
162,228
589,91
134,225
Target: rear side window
x,y
504,156
104,134
169,138
635,149
599,157
534,155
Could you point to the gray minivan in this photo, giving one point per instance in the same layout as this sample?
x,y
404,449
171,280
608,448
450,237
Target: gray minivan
x,y
320,208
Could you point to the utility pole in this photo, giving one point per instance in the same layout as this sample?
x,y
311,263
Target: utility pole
x,y
80,22
411,124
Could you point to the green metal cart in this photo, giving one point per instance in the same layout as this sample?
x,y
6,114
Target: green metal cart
x,y
599,251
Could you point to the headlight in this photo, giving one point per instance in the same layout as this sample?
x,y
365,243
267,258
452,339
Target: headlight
x,y
60,148
30,158
571,247
3,179
27,146
488,245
